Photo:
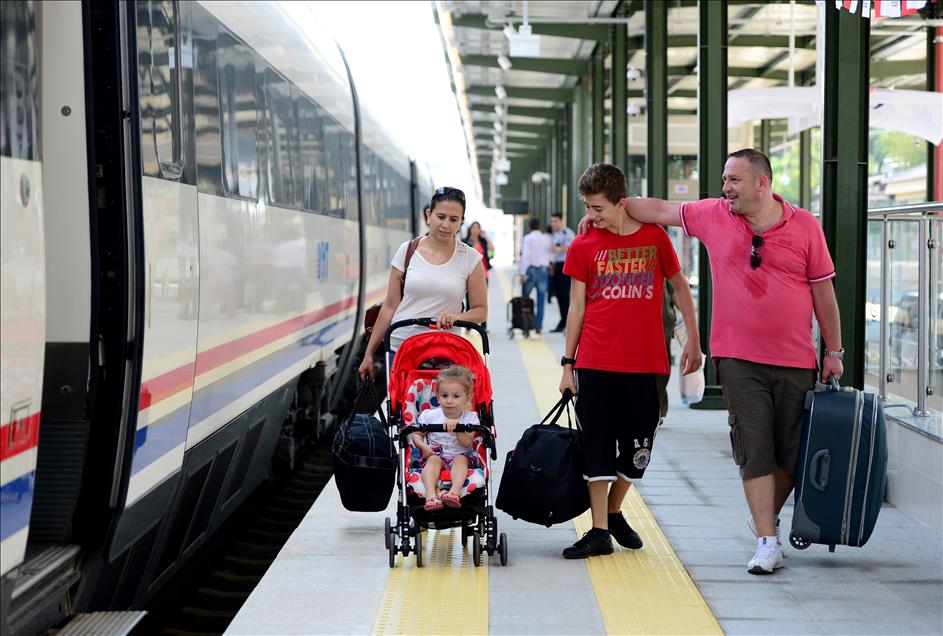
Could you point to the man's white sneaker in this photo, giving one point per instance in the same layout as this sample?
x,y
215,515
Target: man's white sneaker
x,y
768,557
779,541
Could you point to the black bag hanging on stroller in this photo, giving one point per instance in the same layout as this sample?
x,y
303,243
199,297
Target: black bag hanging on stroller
x,y
543,476
364,458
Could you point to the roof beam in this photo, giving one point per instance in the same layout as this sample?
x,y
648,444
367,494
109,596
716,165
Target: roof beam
x,y
540,129
558,66
522,111
563,94
579,30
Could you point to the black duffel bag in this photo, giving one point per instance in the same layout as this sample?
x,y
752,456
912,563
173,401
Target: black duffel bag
x,y
543,476
364,458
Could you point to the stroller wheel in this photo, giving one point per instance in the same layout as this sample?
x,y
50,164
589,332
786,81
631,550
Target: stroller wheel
x,y
387,532
418,548
503,548
391,546
476,552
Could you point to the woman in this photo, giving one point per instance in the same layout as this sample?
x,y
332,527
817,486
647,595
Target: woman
x,y
441,272
474,238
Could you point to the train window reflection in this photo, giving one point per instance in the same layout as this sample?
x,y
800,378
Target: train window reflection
x,y
238,117
19,125
280,172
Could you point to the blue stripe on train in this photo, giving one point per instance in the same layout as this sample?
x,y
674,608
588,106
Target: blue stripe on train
x,y
16,501
160,437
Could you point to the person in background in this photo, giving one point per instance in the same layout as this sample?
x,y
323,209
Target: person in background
x,y
475,238
559,281
535,261
669,318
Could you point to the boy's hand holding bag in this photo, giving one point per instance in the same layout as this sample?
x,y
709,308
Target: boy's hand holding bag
x,y
543,476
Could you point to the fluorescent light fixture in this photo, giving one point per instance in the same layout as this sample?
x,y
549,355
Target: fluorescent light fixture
x,y
499,110
497,126
500,179
504,62
500,92
502,165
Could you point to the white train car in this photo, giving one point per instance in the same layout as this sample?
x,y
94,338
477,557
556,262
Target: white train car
x,y
22,281
220,209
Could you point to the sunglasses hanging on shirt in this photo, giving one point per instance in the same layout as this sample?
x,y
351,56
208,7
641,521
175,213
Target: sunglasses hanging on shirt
x,y
755,258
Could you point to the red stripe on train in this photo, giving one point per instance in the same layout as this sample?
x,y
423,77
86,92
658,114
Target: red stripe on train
x,y
18,437
165,385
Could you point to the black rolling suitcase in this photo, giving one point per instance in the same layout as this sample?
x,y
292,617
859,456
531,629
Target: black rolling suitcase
x,y
521,315
543,480
841,470
364,459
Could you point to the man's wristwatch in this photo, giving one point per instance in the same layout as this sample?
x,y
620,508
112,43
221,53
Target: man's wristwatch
x,y
840,354
565,361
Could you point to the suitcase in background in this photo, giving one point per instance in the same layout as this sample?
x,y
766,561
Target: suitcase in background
x,y
521,315
842,468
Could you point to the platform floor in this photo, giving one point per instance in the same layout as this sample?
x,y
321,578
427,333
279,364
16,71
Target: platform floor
x,y
332,577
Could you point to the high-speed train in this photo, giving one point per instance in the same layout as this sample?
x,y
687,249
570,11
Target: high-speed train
x,y
196,211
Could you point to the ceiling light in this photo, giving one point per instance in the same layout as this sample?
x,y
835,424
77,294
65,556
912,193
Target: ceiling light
x,y
504,62
509,31
497,126
500,92
633,74
499,110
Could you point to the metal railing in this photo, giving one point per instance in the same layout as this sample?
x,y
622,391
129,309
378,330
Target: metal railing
x,y
928,219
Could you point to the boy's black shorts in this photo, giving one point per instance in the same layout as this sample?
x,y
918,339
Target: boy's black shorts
x,y
616,407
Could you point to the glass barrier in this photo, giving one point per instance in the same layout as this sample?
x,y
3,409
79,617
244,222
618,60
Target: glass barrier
x,y
904,310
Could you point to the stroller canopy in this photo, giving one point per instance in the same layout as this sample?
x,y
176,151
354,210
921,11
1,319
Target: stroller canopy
x,y
437,345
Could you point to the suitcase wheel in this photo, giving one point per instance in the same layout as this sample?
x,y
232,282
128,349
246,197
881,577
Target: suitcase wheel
x,y
799,543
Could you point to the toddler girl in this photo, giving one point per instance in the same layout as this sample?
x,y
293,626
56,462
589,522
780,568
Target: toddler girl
x,y
448,449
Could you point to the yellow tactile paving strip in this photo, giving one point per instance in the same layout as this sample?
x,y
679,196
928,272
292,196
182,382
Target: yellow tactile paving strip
x,y
638,592
448,595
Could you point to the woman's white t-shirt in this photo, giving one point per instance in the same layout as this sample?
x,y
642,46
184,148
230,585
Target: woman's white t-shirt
x,y
431,289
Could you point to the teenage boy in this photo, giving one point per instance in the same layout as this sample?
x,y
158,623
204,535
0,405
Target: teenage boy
x,y
614,348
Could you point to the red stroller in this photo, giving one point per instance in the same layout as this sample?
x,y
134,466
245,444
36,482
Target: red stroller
x,y
410,385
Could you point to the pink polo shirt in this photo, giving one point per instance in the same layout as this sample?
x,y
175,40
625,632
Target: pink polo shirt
x,y
765,314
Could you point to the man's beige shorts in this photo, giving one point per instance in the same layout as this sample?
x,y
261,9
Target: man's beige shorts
x,y
765,403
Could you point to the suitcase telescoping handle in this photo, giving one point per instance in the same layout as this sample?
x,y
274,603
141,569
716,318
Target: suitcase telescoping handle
x,y
818,469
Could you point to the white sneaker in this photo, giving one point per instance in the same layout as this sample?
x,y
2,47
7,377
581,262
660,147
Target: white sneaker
x,y
768,557
779,541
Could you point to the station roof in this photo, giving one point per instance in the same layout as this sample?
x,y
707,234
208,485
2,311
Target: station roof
x,y
539,88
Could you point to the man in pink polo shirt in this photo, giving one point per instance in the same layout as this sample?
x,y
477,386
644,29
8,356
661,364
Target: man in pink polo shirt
x,y
770,269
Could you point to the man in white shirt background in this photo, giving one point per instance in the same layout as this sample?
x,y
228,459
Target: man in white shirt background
x,y
536,254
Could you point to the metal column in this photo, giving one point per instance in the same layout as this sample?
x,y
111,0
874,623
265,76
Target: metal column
x,y
559,169
599,97
712,153
764,136
620,118
845,175
656,97
805,169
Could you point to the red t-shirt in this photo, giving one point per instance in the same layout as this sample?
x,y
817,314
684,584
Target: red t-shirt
x,y
625,279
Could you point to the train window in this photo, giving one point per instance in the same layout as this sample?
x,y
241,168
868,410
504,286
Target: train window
x,y
280,133
311,151
238,116
159,85
19,82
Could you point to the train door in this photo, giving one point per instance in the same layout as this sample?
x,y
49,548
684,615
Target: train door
x,y
22,310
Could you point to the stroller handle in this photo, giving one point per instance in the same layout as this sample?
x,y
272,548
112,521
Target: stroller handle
x,y
428,322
